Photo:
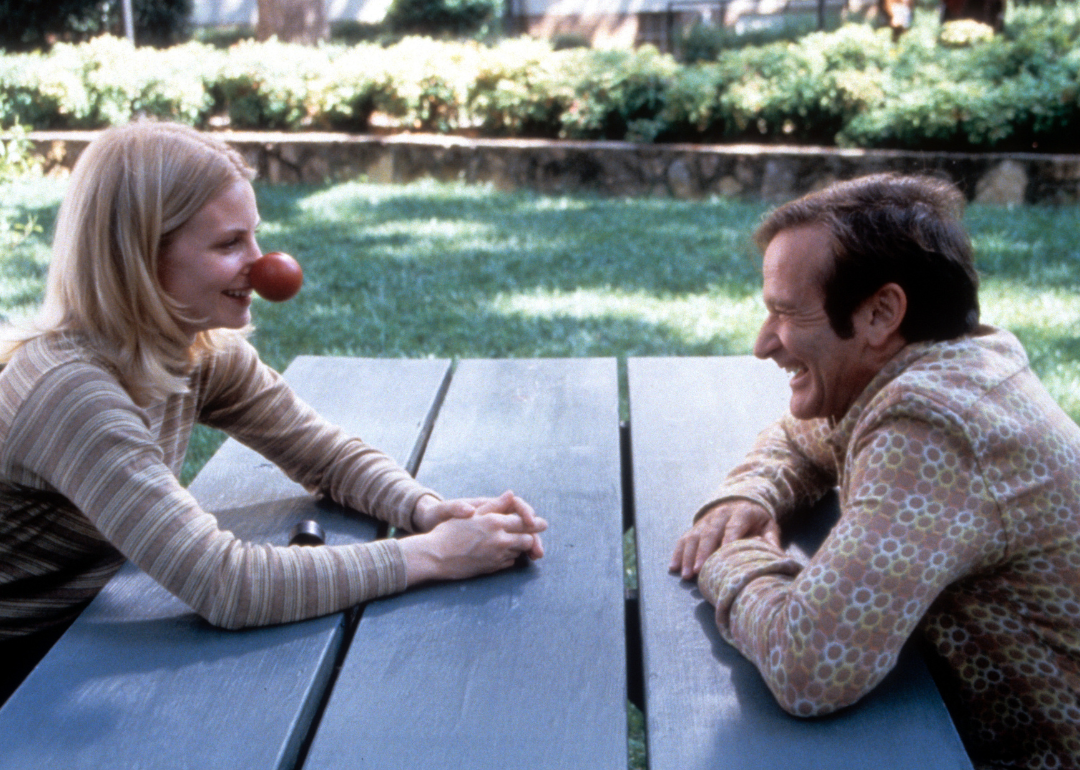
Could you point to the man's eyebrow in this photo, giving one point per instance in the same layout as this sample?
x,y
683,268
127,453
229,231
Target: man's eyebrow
x,y
771,303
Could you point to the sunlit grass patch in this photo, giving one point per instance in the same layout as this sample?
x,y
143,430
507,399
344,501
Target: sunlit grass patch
x,y
28,210
697,320
1047,322
452,270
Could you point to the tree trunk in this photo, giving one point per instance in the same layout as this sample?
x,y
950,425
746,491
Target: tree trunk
x,y
293,21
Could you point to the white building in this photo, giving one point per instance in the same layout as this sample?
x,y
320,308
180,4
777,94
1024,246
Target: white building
x,y
605,23
212,13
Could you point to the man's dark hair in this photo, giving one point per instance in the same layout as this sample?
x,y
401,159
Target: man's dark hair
x,y
886,228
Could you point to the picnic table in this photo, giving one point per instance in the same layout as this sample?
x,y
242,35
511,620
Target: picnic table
x,y
527,668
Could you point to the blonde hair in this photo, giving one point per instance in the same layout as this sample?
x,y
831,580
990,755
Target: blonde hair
x,y
129,192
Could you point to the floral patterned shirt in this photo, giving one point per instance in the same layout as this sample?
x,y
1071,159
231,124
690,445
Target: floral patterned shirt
x,y
959,484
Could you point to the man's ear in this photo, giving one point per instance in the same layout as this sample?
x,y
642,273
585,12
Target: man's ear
x,y
882,313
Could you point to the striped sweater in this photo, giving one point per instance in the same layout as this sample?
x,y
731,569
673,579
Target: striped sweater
x,y
88,478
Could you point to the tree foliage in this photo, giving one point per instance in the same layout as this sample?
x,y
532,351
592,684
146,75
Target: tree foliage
x,y
442,18
34,24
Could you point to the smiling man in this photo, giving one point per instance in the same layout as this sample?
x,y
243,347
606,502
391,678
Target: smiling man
x,y
958,476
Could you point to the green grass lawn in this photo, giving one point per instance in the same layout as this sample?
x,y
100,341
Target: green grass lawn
x,y
456,271
450,270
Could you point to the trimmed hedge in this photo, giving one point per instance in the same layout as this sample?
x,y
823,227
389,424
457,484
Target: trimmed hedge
x,y
947,87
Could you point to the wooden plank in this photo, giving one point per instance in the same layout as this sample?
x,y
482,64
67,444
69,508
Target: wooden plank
x,y
139,681
521,669
706,706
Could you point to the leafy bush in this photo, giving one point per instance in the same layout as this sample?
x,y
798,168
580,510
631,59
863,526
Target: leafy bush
x,y
616,94
692,109
957,34
45,91
29,24
343,93
17,157
268,85
427,83
518,89
17,160
940,87
1013,92
456,18
126,81
104,82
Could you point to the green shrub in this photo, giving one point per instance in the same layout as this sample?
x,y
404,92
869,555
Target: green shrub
x,y
32,24
178,83
692,110
939,87
17,158
268,85
104,82
781,94
1016,91
343,93
701,42
455,18
616,94
45,90
519,90
125,81
427,83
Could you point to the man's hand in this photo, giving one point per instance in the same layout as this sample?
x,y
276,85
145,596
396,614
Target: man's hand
x,y
724,523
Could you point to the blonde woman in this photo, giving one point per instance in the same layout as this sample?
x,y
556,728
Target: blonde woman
x,y
141,336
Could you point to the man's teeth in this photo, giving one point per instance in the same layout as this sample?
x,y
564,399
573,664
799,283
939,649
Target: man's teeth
x,y
236,294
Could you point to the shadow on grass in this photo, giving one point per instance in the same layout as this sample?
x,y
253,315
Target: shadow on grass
x,y
459,271
1038,246
24,256
438,270
1050,348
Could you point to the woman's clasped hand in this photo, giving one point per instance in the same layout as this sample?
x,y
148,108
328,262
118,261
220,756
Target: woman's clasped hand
x,y
467,537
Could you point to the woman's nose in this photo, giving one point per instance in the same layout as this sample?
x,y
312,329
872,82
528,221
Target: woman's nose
x,y
253,252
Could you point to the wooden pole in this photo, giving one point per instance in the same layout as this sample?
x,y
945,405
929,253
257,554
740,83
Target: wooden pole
x,y
129,24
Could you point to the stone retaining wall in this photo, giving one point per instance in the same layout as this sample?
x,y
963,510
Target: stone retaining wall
x,y
768,172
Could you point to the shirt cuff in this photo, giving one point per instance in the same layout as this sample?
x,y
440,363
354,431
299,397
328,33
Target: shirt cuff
x,y
729,497
733,567
402,515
